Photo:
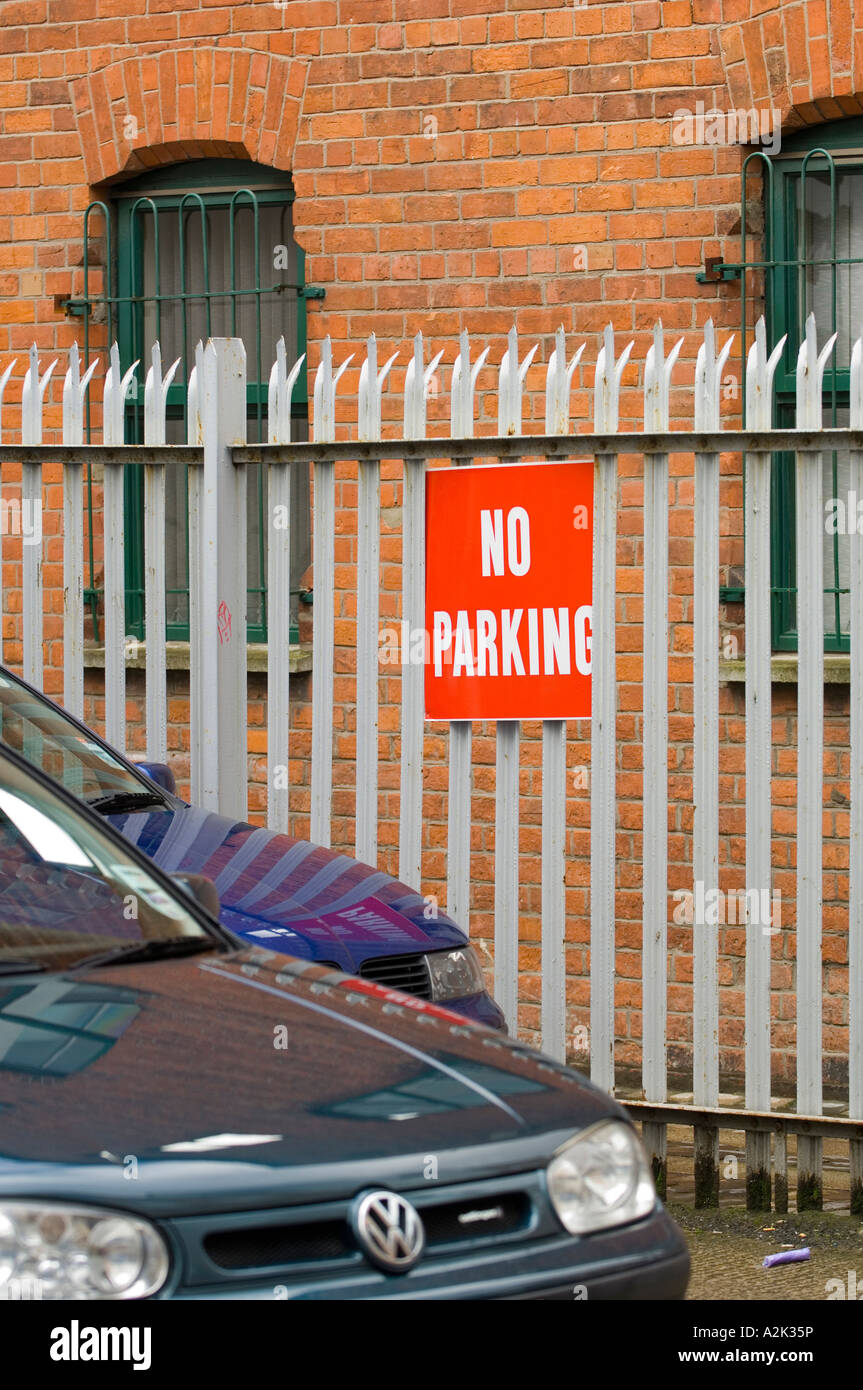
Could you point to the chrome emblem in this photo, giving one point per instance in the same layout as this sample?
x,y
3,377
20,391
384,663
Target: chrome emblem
x,y
389,1230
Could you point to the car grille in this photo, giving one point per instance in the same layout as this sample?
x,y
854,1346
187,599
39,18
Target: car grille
x,y
467,1220
405,972
264,1246
319,1242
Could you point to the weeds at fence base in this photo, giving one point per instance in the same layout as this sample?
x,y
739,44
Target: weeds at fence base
x,y
706,1167
810,1194
659,1169
758,1190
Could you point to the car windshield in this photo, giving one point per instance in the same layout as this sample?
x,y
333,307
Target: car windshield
x,y
45,737
69,891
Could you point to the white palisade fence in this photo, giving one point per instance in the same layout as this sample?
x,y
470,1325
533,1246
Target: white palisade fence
x,y
217,452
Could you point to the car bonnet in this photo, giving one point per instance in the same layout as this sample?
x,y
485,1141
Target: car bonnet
x,y
214,1076
289,894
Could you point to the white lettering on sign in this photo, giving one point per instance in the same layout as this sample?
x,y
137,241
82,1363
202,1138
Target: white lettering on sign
x,y
517,541
510,619
533,641
462,659
555,637
491,540
486,643
583,617
488,646
441,640
508,586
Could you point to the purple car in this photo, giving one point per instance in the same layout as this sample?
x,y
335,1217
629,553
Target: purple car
x,y
274,891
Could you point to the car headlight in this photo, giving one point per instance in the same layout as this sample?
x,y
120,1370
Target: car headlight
x,y
600,1179
50,1250
455,974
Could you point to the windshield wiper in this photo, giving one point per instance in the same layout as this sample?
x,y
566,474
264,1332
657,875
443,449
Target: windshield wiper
x,y
114,802
20,967
135,951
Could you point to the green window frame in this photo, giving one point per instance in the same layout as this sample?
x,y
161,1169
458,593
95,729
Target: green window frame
x,y
807,189
190,250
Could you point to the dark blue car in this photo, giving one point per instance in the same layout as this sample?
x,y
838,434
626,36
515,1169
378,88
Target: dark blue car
x,y
288,895
185,1118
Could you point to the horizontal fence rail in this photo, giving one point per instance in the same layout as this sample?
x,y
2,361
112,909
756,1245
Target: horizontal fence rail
x,y
216,456
759,1128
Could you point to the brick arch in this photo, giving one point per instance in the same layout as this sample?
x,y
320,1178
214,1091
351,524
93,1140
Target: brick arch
x,y
187,103
803,59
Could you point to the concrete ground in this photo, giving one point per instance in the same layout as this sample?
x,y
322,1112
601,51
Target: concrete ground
x,y
728,1245
728,1249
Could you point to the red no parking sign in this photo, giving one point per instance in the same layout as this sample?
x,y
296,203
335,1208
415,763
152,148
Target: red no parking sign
x,y
508,591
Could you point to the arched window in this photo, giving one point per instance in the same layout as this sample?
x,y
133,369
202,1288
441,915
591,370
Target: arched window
x,y
817,234
197,250
811,260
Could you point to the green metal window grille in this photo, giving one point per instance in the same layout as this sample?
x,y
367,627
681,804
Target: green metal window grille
x,y
192,251
812,241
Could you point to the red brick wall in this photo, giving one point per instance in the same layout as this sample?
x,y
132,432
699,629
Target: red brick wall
x,y
459,163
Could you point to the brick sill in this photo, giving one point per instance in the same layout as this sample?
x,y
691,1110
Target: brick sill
x,y
178,657
783,665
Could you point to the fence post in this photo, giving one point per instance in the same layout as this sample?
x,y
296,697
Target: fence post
x,y
195,483
323,637
603,726
223,581
32,399
855,873
417,383
506,783
759,739
810,762
156,699
780,1169
74,391
368,606
113,432
558,384
553,988
4,377
705,766
281,389
461,732
654,932
323,632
